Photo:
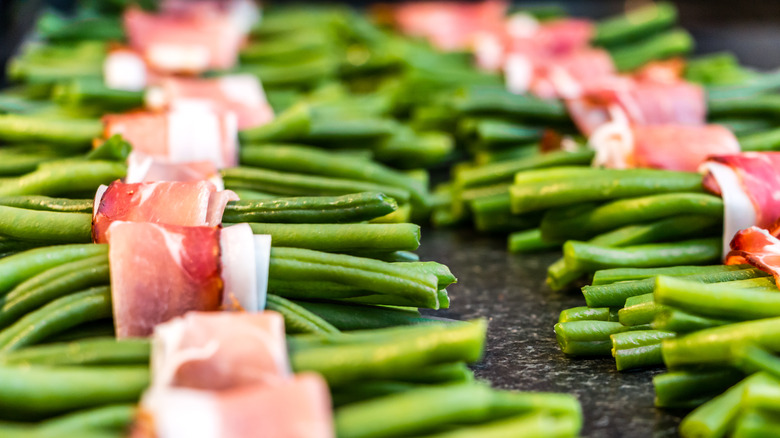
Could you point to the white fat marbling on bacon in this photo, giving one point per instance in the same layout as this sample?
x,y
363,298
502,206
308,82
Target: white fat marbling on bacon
x,y
738,210
124,70
182,412
194,133
613,142
217,202
244,14
262,244
489,51
239,269
146,168
518,73
101,190
522,25
566,87
244,89
179,57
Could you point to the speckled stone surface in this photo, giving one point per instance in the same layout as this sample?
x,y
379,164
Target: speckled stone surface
x,y
522,352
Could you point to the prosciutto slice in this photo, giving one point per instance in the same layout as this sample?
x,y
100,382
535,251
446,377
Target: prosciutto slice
x,y
189,131
670,147
190,204
756,246
220,350
146,168
124,69
295,408
643,102
187,43
159,272
240,94
749,183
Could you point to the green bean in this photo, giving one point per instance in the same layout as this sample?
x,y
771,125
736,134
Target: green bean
x,y
308,160
504,171
751,358
293,184
392,352
675,320
492,214
487,134
643,21
407,149
720,300
529,241
298,319
588,314
713,345
19,163
675,387
587,337
392,256
111,417
60,314
73,176
286,126
355,207
253,195
615,294
639,348
372,275
385,300
593,257
45,203
89,352
607,276
761,105
43,391
17,268
756,423
368,391
763,394
484,158
497,100
532,425
640,309
74,134
425,409
342,237
439,374
81,275
305,73
714,418
534,190
45,226
585,221
89,330
92,92
664,45
767,140
758,84
360,317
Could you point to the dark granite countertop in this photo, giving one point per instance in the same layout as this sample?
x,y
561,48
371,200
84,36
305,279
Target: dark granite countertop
x,y
522,353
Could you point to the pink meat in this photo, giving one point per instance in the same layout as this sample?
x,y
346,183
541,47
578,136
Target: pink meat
x,y
757,247
221,350
159,272
681,147
188,204
147,132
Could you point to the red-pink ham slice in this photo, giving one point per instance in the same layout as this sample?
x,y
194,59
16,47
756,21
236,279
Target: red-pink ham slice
x,y
188,43
756,246
159,272
220,350
296,408
146,168
670,147
189,131
189,204
241,94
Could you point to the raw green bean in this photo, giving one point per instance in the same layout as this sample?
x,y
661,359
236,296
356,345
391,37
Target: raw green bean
x,y
385,300
497,100
19,267
484,158
751,358
638,357
766,140
298,319
45,226
355,207
757,84
43,391
744,129
675,387
93,329
74,134
534,190
615,294
342,237
713,345
763,394
761,105
588,314
530,241
425,409
45,203
392,352
92,92
607,276
640,309
593,257
504,171
74,176
111,417
78,276
487,134
393,256
286,126
756,423
587,337
714,418
532,425
60,314
664,45
361,317
293,184
639,338
675,320
585,221
89,352
638,23
718,300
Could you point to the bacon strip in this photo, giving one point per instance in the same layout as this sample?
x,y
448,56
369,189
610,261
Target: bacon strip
x,y
159,272
189,204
